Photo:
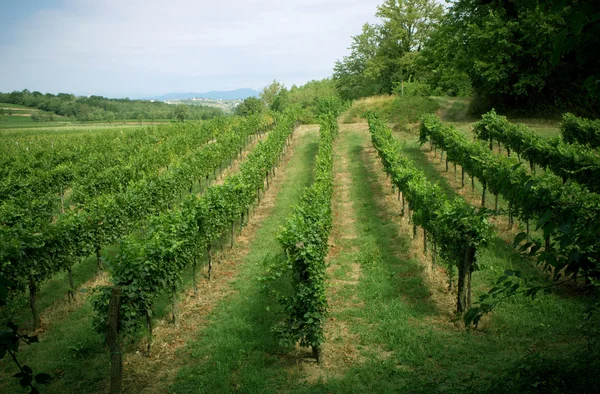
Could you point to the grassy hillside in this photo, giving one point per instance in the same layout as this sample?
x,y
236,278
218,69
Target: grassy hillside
x,y
393,108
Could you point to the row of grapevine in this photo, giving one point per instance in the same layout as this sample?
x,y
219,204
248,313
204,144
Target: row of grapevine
x,y
569,161
583,131
566,213
456,228
30,255
304,239
103,162
152,263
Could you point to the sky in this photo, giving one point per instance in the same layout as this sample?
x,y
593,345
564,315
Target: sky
x,y
141,48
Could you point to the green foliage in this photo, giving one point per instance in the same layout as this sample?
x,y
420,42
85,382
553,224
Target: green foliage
x,y
97,108
270,95
569,161
304,239
517,54
36,244
10,340
394,109
386,53
250,106
309,100
581,130
181,113
567,215
41,117
411,88
456,227
153,263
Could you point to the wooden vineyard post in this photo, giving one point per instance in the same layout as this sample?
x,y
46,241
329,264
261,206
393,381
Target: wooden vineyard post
x,y
62,201
194,274
462,176
209,261
464,279
71,291
316,351
98,258
402,205
483,195
116,359
37,321
174,305
232,234
149,328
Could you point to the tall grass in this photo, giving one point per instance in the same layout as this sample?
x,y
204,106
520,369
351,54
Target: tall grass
x,y
393,109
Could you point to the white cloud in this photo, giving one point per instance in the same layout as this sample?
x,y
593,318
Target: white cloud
x,y
143,47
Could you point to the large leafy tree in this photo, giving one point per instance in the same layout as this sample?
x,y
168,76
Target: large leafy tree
x,y
522,55
384,53
270,92
250,106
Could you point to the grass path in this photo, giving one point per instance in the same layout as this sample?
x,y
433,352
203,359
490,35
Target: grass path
x,y
236,350
390,328
73,352
52,297
398,321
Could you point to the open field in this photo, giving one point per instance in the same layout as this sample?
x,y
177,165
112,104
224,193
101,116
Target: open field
x,y
17,117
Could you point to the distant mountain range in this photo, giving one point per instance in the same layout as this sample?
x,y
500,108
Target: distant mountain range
x,y
215,95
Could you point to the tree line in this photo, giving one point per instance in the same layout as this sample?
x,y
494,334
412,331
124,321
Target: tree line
x,y
520,56
98,108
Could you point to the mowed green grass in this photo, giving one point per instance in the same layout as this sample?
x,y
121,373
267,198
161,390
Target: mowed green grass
x,y
407,343
455,110
11,121
237,352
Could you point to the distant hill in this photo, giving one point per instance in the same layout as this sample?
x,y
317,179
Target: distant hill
x,y
215,95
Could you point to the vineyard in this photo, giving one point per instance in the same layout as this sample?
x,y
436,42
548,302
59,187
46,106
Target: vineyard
x,y
255,254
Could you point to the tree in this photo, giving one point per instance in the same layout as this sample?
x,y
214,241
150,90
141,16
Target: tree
x,y
349,74
250,106
523,56
270,92
110,116
383,54
181,113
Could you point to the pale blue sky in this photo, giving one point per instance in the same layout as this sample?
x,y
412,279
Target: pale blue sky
x,y
138,48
